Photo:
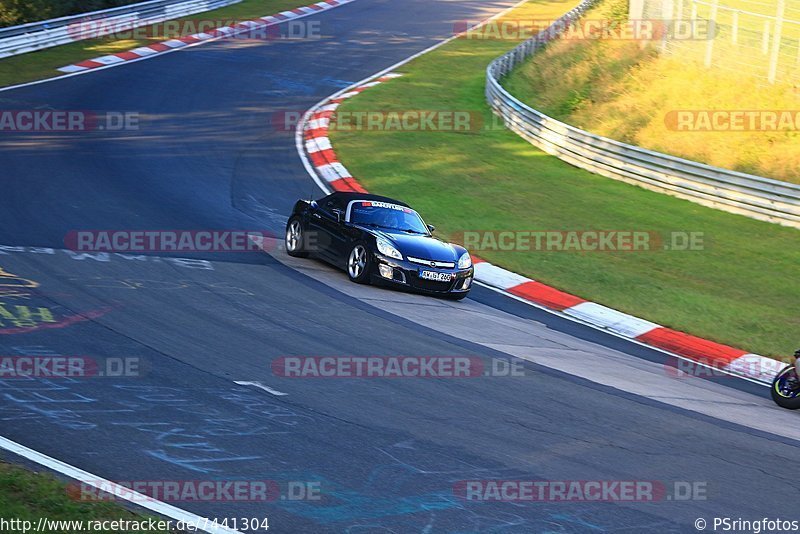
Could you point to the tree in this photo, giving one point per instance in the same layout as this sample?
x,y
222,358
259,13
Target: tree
x,y
14,12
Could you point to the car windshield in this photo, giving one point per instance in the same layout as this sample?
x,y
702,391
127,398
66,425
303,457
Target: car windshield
x,y
388,216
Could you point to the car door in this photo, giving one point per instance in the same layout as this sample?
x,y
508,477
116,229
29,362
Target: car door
x,y
326,229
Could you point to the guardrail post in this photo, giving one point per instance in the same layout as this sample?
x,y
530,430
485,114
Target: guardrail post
x,y
776,41
712,32
635,9
765,38
24,38
756,197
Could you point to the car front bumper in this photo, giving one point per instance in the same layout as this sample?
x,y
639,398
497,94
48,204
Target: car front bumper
x,y
408,275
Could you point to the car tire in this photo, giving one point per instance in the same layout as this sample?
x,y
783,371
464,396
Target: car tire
x,y
295,237
359,264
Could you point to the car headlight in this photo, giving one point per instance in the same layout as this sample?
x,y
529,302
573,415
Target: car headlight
x,y
464,261
385,248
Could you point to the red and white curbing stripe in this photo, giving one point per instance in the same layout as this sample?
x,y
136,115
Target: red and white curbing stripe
x,y
318,145
738,362
219,33
709,353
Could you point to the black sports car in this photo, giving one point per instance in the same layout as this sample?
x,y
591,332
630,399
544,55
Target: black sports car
x,y
378,239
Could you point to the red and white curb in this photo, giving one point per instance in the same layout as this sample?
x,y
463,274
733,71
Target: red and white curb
x,y
318,146
319,155
219,33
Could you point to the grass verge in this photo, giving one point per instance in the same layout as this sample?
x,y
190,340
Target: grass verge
x,y
740,289
28,496
43,64
625,91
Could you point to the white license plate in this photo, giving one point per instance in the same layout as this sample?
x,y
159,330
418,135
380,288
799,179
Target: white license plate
x,y
435,276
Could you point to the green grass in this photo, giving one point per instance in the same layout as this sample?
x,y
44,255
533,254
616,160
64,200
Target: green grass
x,y
742,289
28,496
748,11
43,64
745,55
621,90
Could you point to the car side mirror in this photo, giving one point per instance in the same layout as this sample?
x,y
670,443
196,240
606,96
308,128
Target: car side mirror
x,y
431,228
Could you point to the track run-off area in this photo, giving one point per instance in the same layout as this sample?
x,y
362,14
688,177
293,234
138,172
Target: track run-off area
x,y
205,330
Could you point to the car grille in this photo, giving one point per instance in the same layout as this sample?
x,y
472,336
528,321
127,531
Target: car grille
x,y
431,263
431,285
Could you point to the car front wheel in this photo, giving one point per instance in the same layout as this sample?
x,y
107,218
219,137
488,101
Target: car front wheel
x,y
358,264
294,238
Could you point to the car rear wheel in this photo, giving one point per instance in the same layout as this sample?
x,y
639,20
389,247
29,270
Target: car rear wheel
x,y
358,264
295,238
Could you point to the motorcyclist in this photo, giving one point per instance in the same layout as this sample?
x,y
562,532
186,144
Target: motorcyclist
x,y
785,390
797,362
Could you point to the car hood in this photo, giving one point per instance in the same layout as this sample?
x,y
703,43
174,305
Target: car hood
x,y
422,246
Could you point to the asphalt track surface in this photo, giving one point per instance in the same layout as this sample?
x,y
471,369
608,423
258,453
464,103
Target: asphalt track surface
x,y
387,453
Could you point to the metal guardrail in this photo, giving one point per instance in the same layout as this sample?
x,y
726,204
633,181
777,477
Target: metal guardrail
x,y
753,196
16,40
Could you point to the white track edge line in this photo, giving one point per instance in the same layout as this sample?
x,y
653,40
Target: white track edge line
x,y
616,334
159,54
138,499
70,471
299,144
301,124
